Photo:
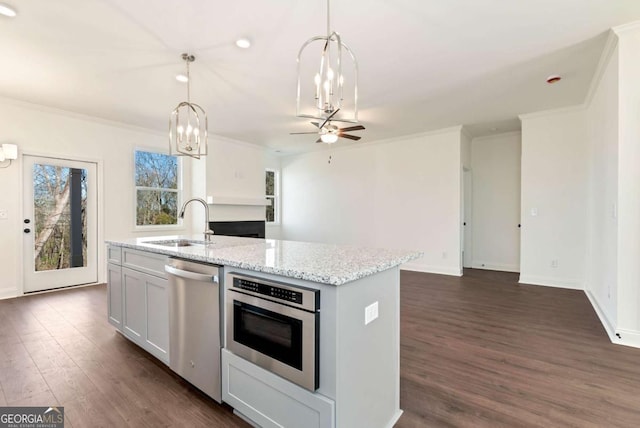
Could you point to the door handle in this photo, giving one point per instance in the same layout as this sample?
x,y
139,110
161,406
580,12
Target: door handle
x,y
518,225
27,230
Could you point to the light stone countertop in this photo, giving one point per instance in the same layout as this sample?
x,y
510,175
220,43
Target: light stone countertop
x,y
323,263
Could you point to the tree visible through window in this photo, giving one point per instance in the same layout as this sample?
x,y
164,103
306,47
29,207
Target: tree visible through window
x,y
271,189
157,189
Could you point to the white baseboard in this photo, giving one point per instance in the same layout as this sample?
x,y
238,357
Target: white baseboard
x,y
627,338
495,266
572,284
8,293
440,270
604,320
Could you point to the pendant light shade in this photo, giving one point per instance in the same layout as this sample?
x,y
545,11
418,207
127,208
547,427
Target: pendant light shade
x,y
330,84
188,125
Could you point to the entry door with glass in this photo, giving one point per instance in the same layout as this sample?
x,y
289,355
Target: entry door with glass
x,y
60,223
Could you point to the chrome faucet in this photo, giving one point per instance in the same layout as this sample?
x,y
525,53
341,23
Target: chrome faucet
x,y
207,231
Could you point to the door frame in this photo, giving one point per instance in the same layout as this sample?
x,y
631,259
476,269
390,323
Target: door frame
x,y
100,247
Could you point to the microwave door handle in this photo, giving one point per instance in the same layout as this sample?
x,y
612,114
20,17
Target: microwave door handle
x,y
191,275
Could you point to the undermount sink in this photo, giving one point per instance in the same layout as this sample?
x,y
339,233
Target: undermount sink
x,y
178,243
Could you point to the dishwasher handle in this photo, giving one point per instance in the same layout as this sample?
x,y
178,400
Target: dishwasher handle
x,y
191,275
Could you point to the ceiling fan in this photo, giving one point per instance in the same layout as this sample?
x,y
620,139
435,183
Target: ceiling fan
x,y
330,133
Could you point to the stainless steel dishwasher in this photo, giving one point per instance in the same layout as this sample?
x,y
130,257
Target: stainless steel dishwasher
x,y
194,324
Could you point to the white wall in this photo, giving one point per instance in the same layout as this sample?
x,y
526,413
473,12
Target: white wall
x,y
495,165
628,293
554,183
404,193
602,136
42,131
235,171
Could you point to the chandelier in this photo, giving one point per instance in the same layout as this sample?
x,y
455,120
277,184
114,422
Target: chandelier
x,y
188,124
335,81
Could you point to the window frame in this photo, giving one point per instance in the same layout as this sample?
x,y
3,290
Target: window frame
x,y
180,188
275,198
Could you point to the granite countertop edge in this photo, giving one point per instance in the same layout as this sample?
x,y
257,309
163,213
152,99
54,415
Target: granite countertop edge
x,y
339,279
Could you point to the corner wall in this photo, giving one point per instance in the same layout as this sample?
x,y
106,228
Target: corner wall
x,y
602,137
628,267
554,198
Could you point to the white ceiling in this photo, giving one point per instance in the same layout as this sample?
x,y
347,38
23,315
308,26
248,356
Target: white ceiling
x,y
424,64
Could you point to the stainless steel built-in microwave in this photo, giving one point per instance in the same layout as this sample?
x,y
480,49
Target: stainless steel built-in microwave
x,y
275,326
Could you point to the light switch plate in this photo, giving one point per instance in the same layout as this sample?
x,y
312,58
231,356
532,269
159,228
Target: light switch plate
x,y
370,313
4,214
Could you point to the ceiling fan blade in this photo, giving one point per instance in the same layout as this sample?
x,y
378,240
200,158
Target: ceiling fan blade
x,y
329,118
319,140
297,133
352,128
351,137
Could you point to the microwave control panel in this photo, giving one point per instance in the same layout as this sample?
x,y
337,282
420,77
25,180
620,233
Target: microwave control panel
x,y
268,290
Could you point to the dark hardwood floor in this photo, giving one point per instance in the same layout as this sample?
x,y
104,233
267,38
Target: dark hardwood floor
x,y
483,351
475,351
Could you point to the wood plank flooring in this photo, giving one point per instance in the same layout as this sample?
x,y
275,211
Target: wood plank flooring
x,y
477,351
483,351
58,349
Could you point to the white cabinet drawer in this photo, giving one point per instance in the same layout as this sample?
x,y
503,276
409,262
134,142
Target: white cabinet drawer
x,y
114,254
150,263
269,400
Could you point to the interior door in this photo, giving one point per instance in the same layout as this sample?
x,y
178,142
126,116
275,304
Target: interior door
x,y
60,223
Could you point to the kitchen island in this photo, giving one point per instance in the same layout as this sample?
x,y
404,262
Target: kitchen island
x,y
358,330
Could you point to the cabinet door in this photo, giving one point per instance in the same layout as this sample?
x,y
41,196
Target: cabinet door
x,y
157,338
114,294
134,316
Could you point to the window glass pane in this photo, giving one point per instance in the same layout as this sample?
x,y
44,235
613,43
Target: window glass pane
x,y
156,207
60,199
271,214
270,183
156,170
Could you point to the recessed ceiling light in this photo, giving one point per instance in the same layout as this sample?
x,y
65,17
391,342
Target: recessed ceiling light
x,y
243,43
554,78
182,78
7,11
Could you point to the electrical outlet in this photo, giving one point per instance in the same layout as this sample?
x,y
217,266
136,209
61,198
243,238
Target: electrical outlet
x,y
4,214
444,254
554,263
370,313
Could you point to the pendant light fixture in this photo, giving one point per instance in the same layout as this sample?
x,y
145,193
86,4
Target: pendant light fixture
x,y
188,125
333,84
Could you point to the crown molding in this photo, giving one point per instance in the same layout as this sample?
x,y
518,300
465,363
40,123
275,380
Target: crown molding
x,y
603,63
80,116
553,112
625,28
496,136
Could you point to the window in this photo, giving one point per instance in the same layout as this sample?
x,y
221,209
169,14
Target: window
x,y
157,189
271,192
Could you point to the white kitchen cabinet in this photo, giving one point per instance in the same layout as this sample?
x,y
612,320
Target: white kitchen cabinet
x,y
114,294
139,301
134,305
270,400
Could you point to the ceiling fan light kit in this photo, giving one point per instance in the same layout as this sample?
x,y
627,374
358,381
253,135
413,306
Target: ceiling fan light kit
x,y
333,86
188,125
